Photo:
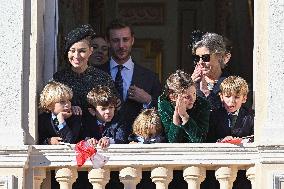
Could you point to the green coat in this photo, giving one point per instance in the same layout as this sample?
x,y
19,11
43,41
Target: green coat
x,y
195,130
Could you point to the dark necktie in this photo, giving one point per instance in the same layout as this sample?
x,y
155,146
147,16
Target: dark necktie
x,y
233,120
119,81
56,123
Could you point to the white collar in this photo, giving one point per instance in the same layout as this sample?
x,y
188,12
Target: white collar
x,y
234,113
128,64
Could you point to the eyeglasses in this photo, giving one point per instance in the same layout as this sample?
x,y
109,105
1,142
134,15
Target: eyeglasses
x,y
205,58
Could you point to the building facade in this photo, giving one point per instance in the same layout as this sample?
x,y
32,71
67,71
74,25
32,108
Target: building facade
x,y
28,41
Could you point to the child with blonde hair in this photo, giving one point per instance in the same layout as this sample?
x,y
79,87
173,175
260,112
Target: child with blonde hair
x,y
57,124
147,128
233,120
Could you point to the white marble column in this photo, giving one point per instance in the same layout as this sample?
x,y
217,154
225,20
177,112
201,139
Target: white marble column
x,y
251,176
268,71
99,178
39,174
66,177
130,177
161,176
226,176
194,176
12,67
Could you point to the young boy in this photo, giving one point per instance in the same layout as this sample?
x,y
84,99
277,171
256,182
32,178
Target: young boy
x,y
147,128
57,124
232,120
101,124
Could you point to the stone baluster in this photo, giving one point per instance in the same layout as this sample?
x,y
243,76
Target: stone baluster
x,y
66,177
251,176
39,174
226,176
99,178
161,176
194,176
130,177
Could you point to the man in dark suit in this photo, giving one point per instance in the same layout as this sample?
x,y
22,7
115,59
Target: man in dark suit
x,y
138,87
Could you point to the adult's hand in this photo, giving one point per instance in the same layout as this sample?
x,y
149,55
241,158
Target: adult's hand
x,y
76,110
139,95
197,74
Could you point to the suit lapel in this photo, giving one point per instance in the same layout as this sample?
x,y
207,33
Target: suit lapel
x,y
136,75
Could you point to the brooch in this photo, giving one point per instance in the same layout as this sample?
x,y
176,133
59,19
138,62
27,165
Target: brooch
x,y
210,86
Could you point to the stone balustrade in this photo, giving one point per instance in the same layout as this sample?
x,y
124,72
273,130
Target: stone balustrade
x,y
132,160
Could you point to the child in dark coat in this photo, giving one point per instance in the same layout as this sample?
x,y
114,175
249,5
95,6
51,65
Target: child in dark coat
x,y
57,124
233,120
101,125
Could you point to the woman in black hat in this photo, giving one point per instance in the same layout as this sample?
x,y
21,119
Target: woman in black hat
x,y
81,77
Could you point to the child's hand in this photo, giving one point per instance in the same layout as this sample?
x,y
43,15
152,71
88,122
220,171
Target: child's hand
x,y
176,118
132,142
181,108
54,140
104,142
231,138
62,116
92,142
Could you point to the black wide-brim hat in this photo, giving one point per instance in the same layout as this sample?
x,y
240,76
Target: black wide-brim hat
x,y
78,34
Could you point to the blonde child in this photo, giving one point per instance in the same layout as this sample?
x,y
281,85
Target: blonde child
x,y
57,124
233,120
147,128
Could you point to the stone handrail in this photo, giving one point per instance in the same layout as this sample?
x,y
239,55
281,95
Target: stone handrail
x,y
131,159
160,159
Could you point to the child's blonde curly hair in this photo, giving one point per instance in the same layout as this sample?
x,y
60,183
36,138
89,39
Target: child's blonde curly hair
x,y
234,85
144,120
52,93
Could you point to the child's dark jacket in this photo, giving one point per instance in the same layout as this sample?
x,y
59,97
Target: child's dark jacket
x,y
69,134
113,129
219,124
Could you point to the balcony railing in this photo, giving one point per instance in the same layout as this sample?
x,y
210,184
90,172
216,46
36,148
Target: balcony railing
x,y
161,159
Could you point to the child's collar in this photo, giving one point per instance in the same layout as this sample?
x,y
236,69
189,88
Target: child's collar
x,y
99,122
234,113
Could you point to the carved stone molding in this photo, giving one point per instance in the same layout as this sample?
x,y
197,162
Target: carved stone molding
x,y
142,13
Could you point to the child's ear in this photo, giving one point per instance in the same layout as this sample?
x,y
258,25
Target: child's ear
x,y
221,97
244,99
92,111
